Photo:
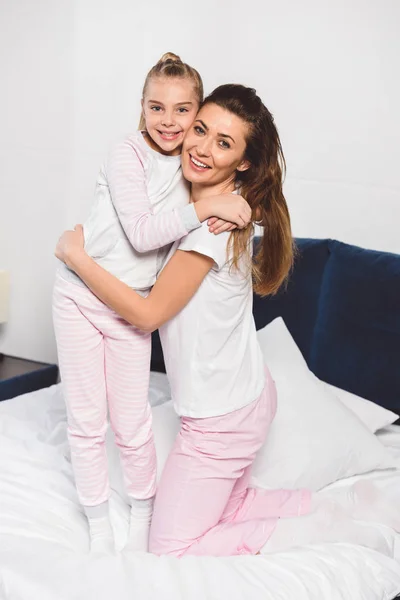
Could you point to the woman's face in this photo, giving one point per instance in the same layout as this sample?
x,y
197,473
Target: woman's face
x,y
214,146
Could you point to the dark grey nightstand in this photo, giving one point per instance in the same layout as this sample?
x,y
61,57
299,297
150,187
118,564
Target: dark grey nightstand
x,y
19,376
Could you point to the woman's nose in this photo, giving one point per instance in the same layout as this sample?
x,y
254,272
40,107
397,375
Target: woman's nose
x,y
204,147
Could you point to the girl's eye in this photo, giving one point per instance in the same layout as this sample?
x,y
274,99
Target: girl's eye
x,y
155,108
224,144
198,129
182,109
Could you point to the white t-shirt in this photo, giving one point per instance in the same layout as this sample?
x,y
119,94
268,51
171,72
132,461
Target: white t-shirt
x,y
212,357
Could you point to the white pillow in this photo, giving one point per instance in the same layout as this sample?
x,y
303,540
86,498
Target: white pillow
x,y
372,415
314,439
375,417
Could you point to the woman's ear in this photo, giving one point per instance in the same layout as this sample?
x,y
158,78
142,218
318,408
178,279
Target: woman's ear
x,y
243,166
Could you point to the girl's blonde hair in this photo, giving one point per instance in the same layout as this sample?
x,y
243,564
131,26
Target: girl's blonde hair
x,y
170,65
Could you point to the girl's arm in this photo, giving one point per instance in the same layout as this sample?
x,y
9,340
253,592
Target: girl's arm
x,y
147,231
176,285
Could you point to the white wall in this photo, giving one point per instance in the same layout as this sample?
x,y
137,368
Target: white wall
x,y
35,163
327,70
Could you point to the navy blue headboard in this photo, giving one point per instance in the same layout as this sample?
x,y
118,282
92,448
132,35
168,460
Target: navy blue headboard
x,y
342,307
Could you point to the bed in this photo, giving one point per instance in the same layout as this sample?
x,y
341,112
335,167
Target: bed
x,y
348,331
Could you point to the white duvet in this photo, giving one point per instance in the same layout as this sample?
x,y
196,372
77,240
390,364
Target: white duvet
x,y
43,536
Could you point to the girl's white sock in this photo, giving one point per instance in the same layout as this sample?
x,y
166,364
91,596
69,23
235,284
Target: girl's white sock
x,y
139,526
100,529
101,535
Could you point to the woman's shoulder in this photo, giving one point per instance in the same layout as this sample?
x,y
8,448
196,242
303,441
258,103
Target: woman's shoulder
x,y
201,240
203,234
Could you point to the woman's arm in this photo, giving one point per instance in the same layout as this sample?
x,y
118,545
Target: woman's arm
x,y
176,285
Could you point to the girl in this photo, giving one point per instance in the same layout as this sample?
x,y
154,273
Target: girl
x,y
203,302
141,206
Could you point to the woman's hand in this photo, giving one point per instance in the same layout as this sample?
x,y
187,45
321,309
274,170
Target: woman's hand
x,y
70,245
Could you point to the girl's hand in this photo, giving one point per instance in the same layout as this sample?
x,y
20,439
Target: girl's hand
x,y
217,226
70,244
231,208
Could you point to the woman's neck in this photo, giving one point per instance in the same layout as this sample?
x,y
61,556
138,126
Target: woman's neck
x,y
200,191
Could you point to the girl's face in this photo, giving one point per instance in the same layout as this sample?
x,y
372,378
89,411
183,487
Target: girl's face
x,y
214,147
169,108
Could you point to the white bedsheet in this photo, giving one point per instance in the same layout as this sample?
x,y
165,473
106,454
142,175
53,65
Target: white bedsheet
x,y
43,535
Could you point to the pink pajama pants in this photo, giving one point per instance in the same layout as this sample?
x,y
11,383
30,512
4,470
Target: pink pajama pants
x,y
204,505
105,365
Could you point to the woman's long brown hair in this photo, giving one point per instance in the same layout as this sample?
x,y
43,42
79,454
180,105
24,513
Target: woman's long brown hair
x,y
261,186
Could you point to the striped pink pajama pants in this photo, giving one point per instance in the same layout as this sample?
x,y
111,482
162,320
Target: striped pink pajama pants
x,y
204,505
105,367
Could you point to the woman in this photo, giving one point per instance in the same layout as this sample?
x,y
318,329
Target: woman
x,y
202,303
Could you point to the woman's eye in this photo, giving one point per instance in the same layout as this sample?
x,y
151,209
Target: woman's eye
x,y
182,110
224,144
155,108
199,129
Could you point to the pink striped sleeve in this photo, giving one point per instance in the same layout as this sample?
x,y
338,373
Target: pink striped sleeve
x,y
145,230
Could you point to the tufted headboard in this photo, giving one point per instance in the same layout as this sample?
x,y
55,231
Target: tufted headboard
x,y
342,307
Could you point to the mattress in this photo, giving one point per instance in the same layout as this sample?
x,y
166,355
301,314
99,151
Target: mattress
x,y
43,533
